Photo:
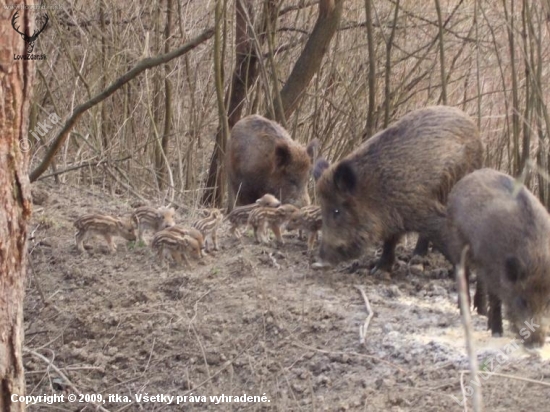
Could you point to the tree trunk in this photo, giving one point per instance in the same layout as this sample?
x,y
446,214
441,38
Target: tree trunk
x,y
15,206
244,75
369,129
162,171
309,62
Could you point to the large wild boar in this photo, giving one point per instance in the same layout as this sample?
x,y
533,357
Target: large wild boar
x,y
397,182
508,233
262,158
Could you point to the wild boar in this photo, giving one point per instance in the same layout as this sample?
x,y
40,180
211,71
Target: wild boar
x,y
507,230
262,158
397,182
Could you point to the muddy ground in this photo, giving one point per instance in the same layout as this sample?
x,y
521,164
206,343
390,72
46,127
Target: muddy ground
x,y
252,320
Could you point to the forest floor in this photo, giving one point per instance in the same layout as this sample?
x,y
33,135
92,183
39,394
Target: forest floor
x,y
254,320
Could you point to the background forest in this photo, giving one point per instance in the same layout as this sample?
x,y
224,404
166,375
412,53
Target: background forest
x,y
330,69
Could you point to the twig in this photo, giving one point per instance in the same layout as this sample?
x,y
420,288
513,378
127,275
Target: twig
x,y
62,376
363,328
140,67
467,323
274,261
67,368
150,356
80,166
503,375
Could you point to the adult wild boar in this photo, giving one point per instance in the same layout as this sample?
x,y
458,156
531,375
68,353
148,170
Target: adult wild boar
x,y
397,182
508,233
262,158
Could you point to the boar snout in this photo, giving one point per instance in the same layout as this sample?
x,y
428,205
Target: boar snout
x,y
335,253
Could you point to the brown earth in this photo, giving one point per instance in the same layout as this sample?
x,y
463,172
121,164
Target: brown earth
x,y
251,320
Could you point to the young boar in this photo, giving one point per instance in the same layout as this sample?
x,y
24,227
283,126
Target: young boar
x,y
208,226
168,242
263,217
149,218
262,158
508,233
397,182
239,216
308,218
105,226
190,232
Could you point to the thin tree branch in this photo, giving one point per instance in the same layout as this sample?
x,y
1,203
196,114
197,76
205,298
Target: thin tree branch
x,y
140,67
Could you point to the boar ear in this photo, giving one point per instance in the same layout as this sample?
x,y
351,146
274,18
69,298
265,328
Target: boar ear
x,y
320,166
313,149
345,178
515,271
282,156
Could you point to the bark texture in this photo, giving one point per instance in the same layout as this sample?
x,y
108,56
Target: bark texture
x,y
15,206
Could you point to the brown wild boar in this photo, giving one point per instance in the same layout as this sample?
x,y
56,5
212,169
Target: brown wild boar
x,y
149,218
308,218
262,158
179,247
239,216
208,226
508,233
191,232
275,218
397,182
105,226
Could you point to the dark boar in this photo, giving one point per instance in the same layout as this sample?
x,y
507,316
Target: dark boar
x,y
262,158
508,233
397,182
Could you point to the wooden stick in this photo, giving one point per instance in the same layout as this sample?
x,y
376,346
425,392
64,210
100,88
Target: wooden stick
x,y
467,323
363,328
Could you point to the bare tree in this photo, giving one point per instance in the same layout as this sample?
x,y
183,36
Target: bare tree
x,y
307,65
244,76
140,67
16,80
369,129
309,62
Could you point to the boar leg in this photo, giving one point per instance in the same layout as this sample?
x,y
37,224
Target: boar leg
x,y
480,298
495,316
109,240
80,238
215,239
276,229
141,229
388,255
422,244
256,233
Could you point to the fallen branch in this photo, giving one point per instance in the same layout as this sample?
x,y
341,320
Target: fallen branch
x,y
363,328
80,166
503,375
463,298
140,67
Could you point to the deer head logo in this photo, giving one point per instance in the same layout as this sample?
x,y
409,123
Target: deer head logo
x,y
29,40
